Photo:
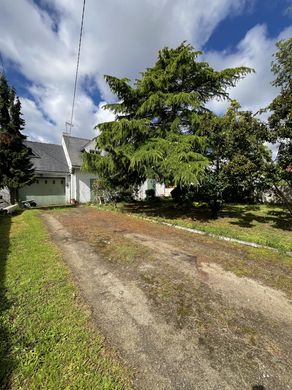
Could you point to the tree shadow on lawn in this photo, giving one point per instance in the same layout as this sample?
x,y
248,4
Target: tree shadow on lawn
x,y
278,219
168,209
6,362
244,216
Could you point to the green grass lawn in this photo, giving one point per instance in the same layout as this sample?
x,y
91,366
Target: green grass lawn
x,y
263,224
46,338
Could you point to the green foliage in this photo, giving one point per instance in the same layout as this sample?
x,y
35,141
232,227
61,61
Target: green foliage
x,y
156,131
104,192
280,121
15,167
238,157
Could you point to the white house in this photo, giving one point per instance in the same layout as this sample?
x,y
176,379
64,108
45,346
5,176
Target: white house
x,y
80,182
160,189
59,179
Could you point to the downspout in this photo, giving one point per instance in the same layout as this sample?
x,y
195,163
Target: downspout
x,y
71,186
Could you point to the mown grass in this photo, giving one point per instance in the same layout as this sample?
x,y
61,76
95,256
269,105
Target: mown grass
x,y
46,338
262,224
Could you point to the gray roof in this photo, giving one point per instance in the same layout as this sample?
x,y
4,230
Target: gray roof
x,y
48,157
74,147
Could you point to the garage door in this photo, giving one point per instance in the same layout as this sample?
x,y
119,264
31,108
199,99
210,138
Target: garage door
x,y
45,191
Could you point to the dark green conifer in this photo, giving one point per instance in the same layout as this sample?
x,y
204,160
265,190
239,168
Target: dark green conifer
x,y
155,133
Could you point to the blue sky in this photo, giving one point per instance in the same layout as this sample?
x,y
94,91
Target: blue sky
x,y
273,13
39,42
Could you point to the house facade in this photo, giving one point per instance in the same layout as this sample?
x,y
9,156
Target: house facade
x,y
58,176
59,179
81,183
52,176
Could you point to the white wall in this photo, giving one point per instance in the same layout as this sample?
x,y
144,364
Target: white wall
x,y
81,186
90,146
66,153
67,188
141,192
160,190
4,193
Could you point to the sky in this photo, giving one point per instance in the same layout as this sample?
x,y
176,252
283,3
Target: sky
x,y
39,44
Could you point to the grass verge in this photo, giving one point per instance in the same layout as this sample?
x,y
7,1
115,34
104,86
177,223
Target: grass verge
x,y
46,339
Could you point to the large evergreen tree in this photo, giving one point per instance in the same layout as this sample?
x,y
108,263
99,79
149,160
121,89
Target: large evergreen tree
x,y
15,167
280,121
158,118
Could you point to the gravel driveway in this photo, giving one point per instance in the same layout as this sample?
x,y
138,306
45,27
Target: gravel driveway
x,y
168,303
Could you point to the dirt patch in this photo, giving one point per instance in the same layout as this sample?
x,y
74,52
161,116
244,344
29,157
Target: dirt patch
x,y
163,299
241,292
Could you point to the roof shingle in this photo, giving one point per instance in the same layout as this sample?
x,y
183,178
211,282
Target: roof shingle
x,y
74,147
48,157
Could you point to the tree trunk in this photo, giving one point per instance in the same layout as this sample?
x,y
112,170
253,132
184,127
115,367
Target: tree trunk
x,y
215,206
13,195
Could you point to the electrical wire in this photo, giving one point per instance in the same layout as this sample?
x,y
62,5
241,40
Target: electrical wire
x,y
77,66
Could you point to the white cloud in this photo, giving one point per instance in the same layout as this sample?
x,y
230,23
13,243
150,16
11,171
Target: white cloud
x,y
256,51
103,115
121,37
40,128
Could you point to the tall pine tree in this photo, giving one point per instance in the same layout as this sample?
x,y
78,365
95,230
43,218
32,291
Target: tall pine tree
x,y
155,133
16,170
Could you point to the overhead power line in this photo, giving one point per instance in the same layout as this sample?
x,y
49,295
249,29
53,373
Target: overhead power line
x,y
77,67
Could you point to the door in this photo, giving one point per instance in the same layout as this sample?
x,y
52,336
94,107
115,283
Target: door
x,y
45,191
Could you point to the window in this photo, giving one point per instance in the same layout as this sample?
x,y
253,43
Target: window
x,y
62,181
37,181
54,182
46,181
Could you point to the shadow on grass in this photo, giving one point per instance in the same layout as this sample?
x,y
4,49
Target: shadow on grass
x,y
244,216
167,209
6,363
279,219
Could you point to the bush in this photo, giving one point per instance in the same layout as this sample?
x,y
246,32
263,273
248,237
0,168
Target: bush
x,y
150,194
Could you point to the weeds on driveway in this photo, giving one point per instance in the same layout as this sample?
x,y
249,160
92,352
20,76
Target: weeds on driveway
x,y
268,225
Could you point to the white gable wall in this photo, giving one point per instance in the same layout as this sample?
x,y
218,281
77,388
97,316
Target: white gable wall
x,y
83,180
80,186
